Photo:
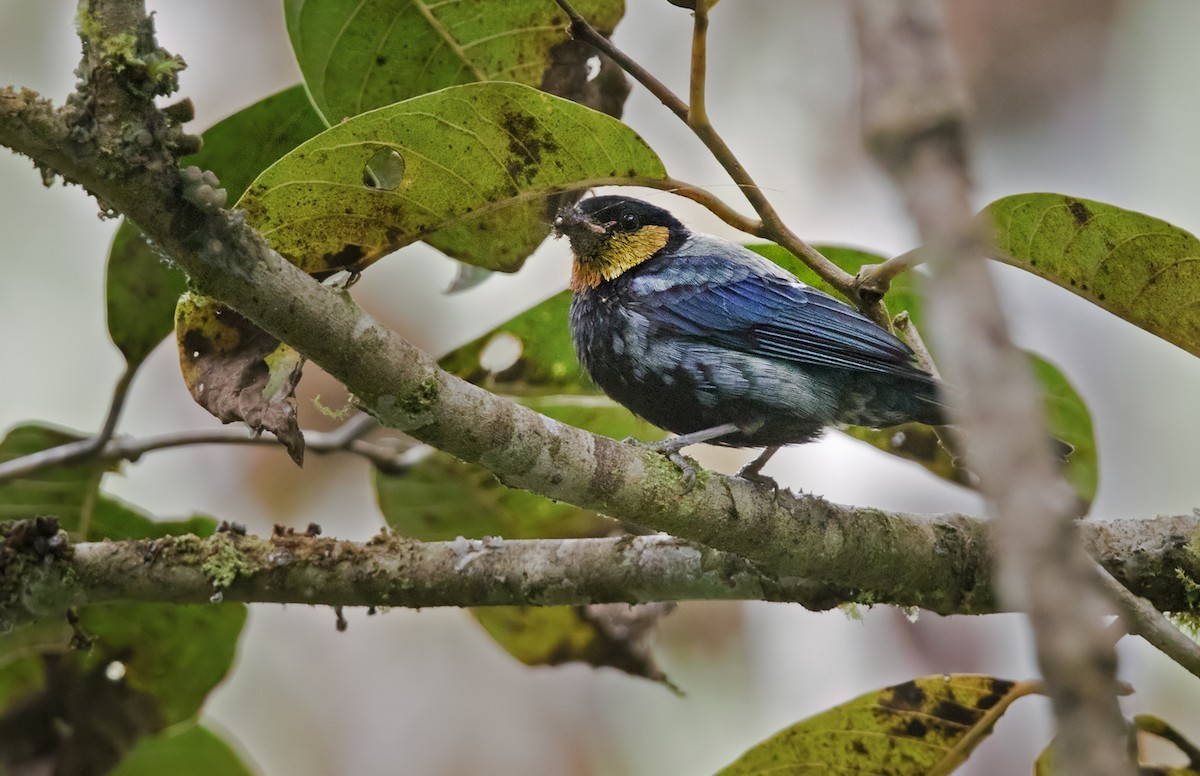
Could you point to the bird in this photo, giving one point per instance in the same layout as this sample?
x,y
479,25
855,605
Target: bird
x,y
706,339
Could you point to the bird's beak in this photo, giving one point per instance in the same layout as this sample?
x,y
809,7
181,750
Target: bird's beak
x,y
571,222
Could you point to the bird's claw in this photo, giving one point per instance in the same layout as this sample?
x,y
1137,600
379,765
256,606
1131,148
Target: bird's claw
x,y
686,470
749,473
664,447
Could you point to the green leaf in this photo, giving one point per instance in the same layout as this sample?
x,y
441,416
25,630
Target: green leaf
x,y
58,491
141,287
544,361
1066,413
357,56
927,726
241,146
188,750
473,160
442,498
149,665
1133,265
176,653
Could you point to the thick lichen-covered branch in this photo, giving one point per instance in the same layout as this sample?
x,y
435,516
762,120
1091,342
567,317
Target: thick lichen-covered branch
x,y
42,573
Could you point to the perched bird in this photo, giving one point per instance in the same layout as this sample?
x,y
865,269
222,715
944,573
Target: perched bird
x,y
708,340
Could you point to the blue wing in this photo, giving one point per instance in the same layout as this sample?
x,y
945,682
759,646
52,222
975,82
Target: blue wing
x,y
751,306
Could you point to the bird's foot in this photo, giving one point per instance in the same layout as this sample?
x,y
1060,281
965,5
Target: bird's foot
x,y
758,478
752,472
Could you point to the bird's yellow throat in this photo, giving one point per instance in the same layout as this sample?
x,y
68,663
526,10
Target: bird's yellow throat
x,y
621,252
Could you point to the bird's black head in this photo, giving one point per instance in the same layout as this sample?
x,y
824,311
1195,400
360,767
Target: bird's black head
x,y
611,235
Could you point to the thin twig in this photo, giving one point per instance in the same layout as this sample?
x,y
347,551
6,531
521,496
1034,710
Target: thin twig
x,y
697,114
874,280
119,394
342,439
1142,619
773,227
107,429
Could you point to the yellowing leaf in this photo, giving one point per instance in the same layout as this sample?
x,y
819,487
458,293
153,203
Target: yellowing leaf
x,y
472,160
1133,265
924,727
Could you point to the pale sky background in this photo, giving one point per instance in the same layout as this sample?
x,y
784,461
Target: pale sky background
x,y
1095,99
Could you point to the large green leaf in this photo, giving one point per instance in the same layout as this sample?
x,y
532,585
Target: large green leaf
x,y
453,162
141,288
1133,265
1066,413
357,55
927,726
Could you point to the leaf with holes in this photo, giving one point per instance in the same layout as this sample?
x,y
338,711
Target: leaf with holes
x,y
927,726
237,371
449,160
357,56
1133,265
1066,413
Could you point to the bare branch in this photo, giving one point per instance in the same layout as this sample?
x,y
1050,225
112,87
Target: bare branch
x,y
392,459
393,571
913,121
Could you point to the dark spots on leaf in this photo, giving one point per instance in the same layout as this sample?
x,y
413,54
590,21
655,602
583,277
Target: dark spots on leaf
x,y
346,257
955,712
911,728
903,697
859,747
1100,297
1000,688
527,144
631,173
393,235
194,342
1079,211
380,60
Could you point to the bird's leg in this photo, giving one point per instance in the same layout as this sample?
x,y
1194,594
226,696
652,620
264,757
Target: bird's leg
x,y
671,447
752,471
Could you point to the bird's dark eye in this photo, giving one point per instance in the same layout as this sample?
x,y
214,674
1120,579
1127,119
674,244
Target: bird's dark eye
x,y
630,221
